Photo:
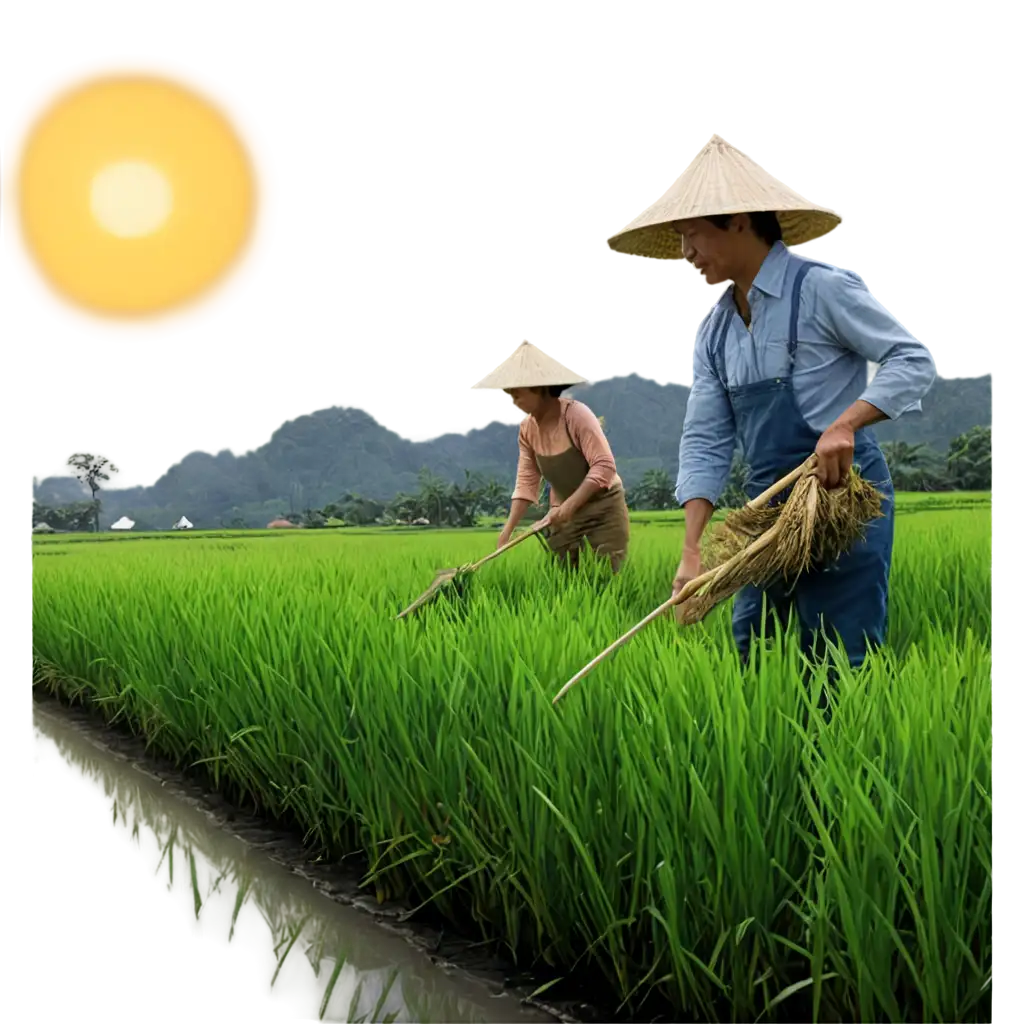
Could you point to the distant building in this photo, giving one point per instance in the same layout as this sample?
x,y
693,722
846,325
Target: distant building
x,y
124,523
421,522
182,524
281,524
43,528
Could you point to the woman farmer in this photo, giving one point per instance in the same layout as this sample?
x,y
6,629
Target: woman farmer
x,y
780,367
561,441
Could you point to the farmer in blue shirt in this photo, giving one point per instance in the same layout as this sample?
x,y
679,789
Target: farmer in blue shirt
x,y
780,370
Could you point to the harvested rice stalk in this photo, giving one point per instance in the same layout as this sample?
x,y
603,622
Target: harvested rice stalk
x,y
743,525
455,582
763,545
461,580
812,526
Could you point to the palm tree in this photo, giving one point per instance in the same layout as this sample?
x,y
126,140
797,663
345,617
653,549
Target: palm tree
x,y
970,460
655,491
913,467
735,495
433,491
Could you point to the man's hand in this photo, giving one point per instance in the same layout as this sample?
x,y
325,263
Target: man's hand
x,y
689,569
835,455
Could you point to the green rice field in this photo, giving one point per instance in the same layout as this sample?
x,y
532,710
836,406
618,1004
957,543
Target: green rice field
x,y
691,836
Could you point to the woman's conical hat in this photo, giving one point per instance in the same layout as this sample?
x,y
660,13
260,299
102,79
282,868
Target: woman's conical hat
x,y
528,367
721,179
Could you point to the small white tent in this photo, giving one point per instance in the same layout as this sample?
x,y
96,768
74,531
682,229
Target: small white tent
x,y
43,528
182,524
124,523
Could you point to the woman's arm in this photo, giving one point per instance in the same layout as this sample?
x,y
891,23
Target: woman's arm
x,y
527,489
585,432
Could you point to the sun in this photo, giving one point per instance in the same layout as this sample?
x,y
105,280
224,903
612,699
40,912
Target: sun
x,y
131,199
136,195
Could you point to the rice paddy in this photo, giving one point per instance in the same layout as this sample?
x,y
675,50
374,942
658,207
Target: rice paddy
x,y
300,954
692,835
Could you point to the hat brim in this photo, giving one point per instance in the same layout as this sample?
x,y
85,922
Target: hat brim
x,y
505,381
660,240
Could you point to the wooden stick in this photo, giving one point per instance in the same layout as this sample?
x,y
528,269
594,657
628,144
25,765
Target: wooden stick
x,y
790,478
698,582
688,591
536,528
445,575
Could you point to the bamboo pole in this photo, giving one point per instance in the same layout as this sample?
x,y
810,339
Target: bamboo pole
x,y
698,582
445,576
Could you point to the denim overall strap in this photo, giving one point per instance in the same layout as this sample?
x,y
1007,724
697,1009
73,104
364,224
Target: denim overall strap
x,y
794,309
849,598
720,331
770,429
716,347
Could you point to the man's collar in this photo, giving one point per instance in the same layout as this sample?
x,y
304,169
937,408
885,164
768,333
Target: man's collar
x,y
770,277
773,271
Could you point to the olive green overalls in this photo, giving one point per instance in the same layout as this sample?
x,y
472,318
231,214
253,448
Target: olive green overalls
x,y
603,521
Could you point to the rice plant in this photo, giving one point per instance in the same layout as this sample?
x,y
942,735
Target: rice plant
x,y
687,832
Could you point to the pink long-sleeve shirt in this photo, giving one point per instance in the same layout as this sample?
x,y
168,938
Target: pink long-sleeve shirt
x,y
576,426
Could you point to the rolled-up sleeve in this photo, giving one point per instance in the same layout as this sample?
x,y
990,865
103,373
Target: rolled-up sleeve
x,y
858,321
709,431
588,436
527,473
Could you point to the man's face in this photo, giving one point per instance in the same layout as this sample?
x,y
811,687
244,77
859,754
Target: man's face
x,y
711,250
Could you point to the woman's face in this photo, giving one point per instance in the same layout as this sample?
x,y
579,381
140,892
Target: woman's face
x,y
528,400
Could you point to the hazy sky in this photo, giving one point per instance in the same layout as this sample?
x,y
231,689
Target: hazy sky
x,y
445,176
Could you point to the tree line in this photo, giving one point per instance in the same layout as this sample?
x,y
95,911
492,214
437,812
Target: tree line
x,y
79,516
966,466
436,502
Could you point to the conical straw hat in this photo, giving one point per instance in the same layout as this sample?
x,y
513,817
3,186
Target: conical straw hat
x,y
721,179
528,367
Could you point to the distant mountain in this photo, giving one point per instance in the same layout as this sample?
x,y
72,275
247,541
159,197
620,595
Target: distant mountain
x,y
318,458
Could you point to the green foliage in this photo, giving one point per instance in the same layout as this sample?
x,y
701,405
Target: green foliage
x,y
313,519
915,467
355,509
436,502
966,467
970,460
90,470
655,492
735,495
310,461
692,830
74,518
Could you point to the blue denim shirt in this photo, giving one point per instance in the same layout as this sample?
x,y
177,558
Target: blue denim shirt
x,y
841,326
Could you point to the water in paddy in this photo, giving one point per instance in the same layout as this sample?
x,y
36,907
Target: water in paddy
x,y
152,911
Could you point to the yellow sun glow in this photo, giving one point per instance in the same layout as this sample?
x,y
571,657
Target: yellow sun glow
x,y
130,198
136,195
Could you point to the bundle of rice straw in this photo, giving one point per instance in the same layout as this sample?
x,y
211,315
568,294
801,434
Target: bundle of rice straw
x,y
764,543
